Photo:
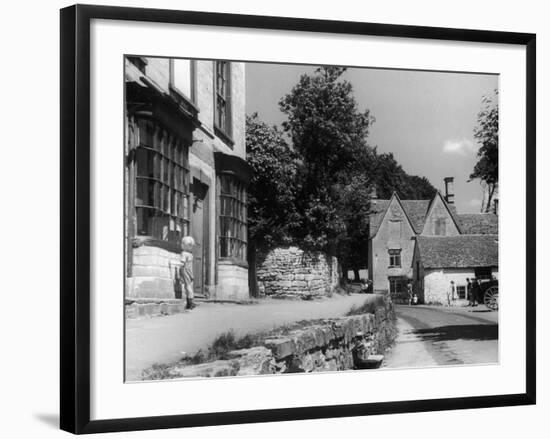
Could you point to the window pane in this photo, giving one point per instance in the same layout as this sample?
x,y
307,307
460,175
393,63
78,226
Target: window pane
x,y
173,176
143,221
182,76
146,133
166,171
156,166
174,210
144,163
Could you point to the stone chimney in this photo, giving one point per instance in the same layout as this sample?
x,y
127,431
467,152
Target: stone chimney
x,y
449,189
373,193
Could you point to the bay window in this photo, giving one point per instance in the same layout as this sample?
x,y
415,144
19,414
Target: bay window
x,y
162,184
233,219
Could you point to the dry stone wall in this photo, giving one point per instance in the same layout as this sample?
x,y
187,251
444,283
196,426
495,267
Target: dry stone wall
x,y
327,345
290,272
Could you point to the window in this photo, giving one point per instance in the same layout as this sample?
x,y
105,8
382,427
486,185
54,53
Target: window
x,y
461,291
397,285
182,77
395,257
221,97
440,226
233,219
162,184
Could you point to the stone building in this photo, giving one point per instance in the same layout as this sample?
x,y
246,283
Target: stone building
x,y
395,224
440,260
186,174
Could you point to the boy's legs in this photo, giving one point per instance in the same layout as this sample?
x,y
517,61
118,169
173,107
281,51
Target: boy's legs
x,y
189,293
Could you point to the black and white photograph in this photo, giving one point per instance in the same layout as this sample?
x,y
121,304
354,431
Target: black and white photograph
x,y
295,218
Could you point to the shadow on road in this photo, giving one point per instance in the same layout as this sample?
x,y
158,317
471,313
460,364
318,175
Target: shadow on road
x,y
458,332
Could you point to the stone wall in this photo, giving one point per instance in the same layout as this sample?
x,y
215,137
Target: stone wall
x,y
346,343
290,272
153,274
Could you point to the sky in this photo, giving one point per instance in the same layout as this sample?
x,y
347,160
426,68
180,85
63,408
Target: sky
x,y
426,119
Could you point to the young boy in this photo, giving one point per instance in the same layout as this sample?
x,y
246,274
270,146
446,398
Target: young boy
x,y
186,269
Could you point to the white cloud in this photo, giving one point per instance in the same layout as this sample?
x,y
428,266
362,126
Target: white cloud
x,y
460,147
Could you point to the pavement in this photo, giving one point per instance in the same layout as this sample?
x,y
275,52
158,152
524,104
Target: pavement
x,y
432,336
167,339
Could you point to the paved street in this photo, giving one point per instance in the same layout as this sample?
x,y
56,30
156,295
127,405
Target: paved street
x,y
430,336
163,339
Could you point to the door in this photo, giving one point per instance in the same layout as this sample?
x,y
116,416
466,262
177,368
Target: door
x,y
199,220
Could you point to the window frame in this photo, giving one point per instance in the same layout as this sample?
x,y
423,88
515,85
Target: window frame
x,y
224,133
465,291
172,154
172,85
237,200
394,254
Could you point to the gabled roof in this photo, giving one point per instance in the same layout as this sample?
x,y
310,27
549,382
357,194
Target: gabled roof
x,y
414,210
451,210
461,251
478,223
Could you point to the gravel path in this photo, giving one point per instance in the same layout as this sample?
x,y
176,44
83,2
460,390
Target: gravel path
x,y
163,339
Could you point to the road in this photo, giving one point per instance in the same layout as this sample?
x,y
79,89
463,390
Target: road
x,y
431,336
164,339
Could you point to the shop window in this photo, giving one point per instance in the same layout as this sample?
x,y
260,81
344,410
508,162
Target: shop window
x,y
461,291
162,184
233,219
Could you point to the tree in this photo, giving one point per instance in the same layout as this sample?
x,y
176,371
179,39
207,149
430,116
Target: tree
x,y
486,133
271,193
329,133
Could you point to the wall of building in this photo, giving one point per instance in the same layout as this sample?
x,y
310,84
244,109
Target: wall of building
x,y
290,272
387,238
153,274
438,210
150,273
437,285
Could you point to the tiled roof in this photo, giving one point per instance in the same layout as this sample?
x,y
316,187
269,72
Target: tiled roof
x,y
416,210
462,251
378,209
478,223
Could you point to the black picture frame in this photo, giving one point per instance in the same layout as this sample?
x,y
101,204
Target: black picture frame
x,y
75,217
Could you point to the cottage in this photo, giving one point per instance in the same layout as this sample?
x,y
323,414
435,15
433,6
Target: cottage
x,y
186,174
442,265
395,225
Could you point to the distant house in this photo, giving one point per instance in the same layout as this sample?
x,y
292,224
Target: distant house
x,y
440,260
395,225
